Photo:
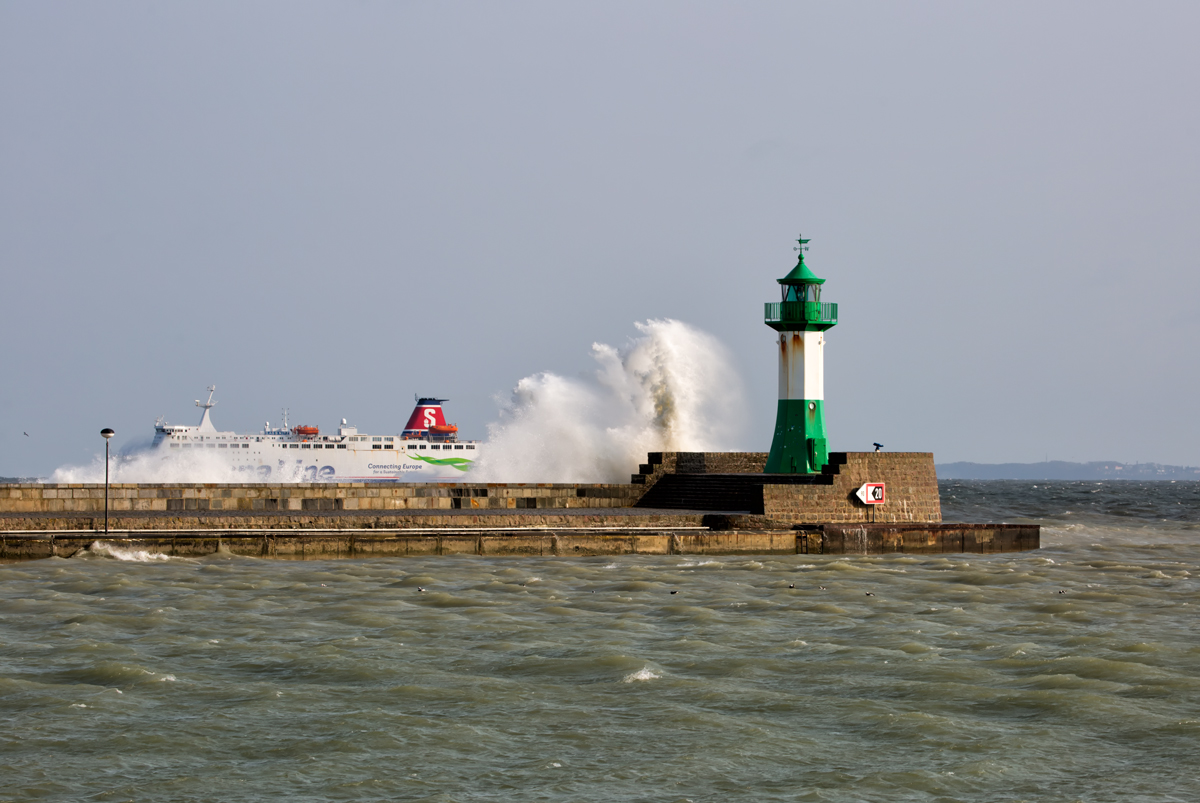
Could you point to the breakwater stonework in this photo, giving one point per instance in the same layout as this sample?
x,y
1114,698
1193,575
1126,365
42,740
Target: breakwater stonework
x,y
679,503
670,538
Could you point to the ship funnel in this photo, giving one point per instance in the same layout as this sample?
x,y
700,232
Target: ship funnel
x,y
427,413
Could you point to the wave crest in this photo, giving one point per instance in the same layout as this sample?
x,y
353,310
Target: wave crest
x,y
674,388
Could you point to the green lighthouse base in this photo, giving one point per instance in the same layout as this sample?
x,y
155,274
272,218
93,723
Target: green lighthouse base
x,y
799,445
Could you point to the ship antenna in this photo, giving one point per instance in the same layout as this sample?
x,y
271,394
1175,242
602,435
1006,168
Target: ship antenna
x,y
205,421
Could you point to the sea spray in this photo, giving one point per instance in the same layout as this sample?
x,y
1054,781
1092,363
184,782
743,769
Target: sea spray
x,y
674,388
140,463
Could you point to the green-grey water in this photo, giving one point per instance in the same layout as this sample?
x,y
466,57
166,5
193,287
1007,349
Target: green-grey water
x,y
1067,674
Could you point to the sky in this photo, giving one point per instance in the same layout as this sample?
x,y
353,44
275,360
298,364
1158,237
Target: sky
x,y
333,206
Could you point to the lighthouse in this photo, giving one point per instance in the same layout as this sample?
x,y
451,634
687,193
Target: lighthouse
x,y
800,445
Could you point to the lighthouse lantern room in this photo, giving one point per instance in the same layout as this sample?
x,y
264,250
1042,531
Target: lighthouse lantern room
x,y
800,445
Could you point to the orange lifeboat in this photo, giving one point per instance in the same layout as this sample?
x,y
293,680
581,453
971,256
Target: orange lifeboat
x,y
449,429
306,431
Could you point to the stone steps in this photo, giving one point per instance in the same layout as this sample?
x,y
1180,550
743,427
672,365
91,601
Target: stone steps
x,y
741,493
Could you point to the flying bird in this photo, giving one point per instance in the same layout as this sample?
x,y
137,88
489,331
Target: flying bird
x,y
25,433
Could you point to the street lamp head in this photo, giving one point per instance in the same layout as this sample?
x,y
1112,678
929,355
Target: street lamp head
x,y
106,433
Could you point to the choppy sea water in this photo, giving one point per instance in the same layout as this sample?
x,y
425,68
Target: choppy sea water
x,y
1067,674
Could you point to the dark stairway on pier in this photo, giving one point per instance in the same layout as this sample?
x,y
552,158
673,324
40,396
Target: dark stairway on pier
x,y
727,493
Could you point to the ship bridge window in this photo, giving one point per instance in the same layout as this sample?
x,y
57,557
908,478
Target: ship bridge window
x,y
305,446
222,445
389,446
470,446
293,446
458,447
174,445
376,446
341,446
376,439
389,439
434,446
245,446
329,446
211,445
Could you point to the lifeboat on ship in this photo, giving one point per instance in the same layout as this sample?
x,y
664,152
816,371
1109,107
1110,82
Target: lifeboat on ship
x,y
306,432
445,432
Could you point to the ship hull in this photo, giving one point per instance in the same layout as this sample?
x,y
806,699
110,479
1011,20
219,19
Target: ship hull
x,y
259,460
428,450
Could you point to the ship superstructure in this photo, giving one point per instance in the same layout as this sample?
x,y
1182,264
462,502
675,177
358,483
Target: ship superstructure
x,y
427,450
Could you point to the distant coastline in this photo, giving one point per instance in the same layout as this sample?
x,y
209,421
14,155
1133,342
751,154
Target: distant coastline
x,y
1062,470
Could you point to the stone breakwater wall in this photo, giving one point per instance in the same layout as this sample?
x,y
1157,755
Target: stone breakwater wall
x,y
734,481
695,481
910,478
681,503
863,539
309,497
442,520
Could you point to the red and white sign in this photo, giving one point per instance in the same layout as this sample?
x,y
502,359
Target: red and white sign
x,y
872,493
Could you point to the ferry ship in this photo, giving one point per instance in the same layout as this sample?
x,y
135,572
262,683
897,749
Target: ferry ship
x,y
427,450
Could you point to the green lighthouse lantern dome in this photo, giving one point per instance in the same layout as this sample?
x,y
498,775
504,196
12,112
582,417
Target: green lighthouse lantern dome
x,y
801,284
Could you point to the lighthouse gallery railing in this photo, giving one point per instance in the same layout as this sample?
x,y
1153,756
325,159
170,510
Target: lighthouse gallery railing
x,y
801,312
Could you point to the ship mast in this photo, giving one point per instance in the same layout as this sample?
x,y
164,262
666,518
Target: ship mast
x,y
206,424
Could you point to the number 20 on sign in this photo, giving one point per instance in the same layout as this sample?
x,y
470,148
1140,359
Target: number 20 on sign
x,y
872,493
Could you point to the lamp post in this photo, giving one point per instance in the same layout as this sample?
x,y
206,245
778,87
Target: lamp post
x,y
107,434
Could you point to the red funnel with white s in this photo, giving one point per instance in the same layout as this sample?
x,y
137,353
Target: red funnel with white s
x,y
427,416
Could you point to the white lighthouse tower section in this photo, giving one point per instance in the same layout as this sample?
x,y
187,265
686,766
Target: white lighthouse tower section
x,y
802,366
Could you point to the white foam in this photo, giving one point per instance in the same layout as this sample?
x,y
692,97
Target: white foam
x,y
106,550
674,388
641,676
138,463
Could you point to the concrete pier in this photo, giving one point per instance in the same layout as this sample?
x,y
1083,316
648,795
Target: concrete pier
x,y
681,503
319,544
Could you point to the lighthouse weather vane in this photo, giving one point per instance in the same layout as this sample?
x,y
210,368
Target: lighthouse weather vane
x,y
803,244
